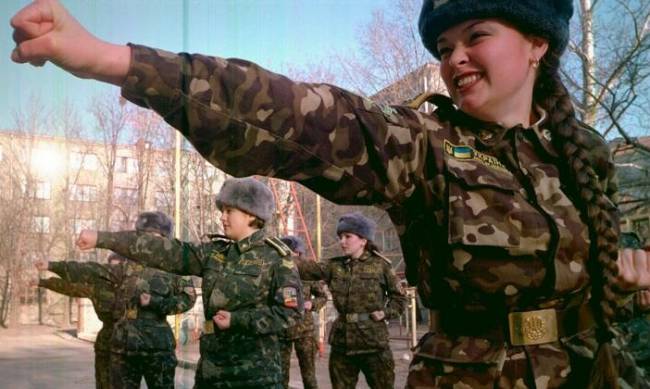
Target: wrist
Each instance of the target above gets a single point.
(112, 65)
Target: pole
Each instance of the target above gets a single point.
(321, 312)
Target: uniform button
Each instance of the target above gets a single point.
(547, 135)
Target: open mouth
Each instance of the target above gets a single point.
(466, 81)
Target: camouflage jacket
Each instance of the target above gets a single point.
(485, 222)
(144, 329)
(311, 291)
(358, 288)
(93, 281)
(253, 279)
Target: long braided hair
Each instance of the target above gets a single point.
(585, 189)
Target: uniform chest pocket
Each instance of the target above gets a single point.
(486, 208)
(370, 286)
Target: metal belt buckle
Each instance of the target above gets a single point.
(532, 327)
(208, 327)
(131, 313)
(351, 317)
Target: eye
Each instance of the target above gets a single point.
(476, 35)
(444, 51)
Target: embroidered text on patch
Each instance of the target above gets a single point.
(468, 152)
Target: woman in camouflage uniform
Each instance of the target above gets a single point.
(366, 293)
(503, 200)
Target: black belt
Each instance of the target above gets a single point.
(519, 327)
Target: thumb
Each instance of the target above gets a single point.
(35, 51)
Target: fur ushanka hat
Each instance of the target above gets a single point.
(548, 19)
(249, 195)
(357, 224)
(155, 222)
(294, 243)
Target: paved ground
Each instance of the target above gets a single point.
(35, 357)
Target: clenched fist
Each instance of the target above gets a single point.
(87, 240)
(633, 269)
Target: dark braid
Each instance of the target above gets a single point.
(585, 189)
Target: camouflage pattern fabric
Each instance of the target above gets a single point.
(377, 367)
(301, 336)
(359, 286)
(127, 371)
(253, 279)
(484, 221)
(306, 349)
(143, 344)
(93, 281)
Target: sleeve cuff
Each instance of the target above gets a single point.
(237, 320)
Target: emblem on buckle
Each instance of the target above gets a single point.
(533, 327)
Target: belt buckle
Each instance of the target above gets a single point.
(131, 313)
(208, 327)
(351, 317)
(533, 327)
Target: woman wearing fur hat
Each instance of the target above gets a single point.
(503, 200)
(251, 290)
(366, 293)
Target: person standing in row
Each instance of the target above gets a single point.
(98, 283)
(366, 293)
(302, 335)
(251, 290)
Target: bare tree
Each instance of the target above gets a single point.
(609, 66)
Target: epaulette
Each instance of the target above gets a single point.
(278, 245)
(388, 261)
(418, 100)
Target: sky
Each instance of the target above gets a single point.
(272, 33)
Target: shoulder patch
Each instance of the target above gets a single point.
(388, 261)
(278, 245)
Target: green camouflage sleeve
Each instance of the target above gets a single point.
(396, 296)
(314, 270)
(182, 298)
(320, 297)
(170, 255)
(246, 120)
(82, 272)
(64, 287)
(284, 309)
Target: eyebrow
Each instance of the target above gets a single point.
(442, 39)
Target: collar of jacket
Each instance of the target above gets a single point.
(489, 134)
(250, 241)
(364, 257)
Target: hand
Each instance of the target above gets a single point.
(633, 269)
(42, 265)
(643, 299)
(377, 315)
(45, 31)
(308, 305)
(222, 320)
(87, 240)
(145, 299)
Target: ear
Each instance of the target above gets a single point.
(539, 47)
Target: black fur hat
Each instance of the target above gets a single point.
(294, 243)
(548, 19)
(357, 224)
(155, 222)
(248, 195)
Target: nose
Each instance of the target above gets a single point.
(458, 56)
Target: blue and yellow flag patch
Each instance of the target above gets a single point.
(467, 152)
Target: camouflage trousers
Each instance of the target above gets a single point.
(306, 349)
(427, 370)
(377, 367)
(157, 369)
(102, 369)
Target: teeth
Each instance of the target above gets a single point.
(467, 80)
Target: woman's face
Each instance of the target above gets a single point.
(236, 223)
(352, 244)
(487, 67)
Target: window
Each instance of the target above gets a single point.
(83, 192)
(83, 161)
(131, 165)
(41, 224)
(42, 190)
(120, 164)
(82, 224)
(126, 195)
